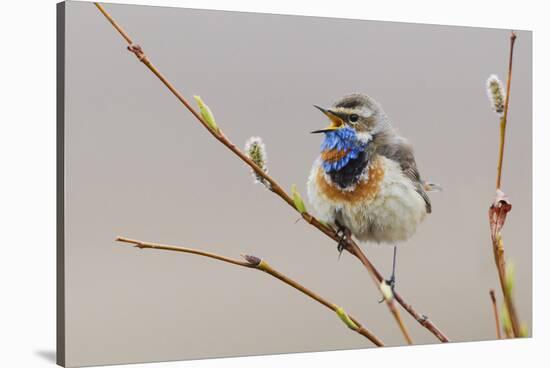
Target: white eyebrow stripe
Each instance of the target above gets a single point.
(363, 111)
(345, 110)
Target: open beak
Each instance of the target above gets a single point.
(335, 121)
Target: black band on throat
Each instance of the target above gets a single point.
(350, 174)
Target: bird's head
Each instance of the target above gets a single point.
(354, 122)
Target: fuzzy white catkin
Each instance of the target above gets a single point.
(495, 92)
(255, 150)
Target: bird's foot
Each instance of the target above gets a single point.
(391, 283)
(344, 234)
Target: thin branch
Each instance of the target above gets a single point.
(352, 247)
(504, 117)
(500, 208)
(497, 217)
(509, 333)
(256, 263)
(397, 316)
(495, 312)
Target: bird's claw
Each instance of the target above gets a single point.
(391, 283)
(341, 245)
(343, 234)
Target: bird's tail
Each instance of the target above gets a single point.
(432, 187)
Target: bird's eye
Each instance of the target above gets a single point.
(353, 118)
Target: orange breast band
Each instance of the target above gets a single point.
(333, 155)
(365, 190)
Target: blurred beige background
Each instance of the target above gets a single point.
(139, 165)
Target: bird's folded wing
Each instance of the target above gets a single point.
(399, 150)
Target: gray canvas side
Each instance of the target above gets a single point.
(60, 203)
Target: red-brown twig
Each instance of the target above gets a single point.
(495, 312)
(501, 206)
(352, 247)
(497, 217)
(256, 263)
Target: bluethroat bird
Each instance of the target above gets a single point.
(365, 181)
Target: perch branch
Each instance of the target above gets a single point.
(352, 247)
(256, 263)
(501, 206)
(495, 312)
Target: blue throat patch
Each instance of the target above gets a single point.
(343, 139)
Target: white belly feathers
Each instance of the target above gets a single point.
(380, 208)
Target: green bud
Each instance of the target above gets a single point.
(298, 202)
(505, 319)
(523, 330)
(207, 115)
(510, 277)
(345, 318)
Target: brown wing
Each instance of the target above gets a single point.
(401, 151)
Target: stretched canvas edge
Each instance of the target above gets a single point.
(60, 184)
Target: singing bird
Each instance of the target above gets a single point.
(365, 181)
